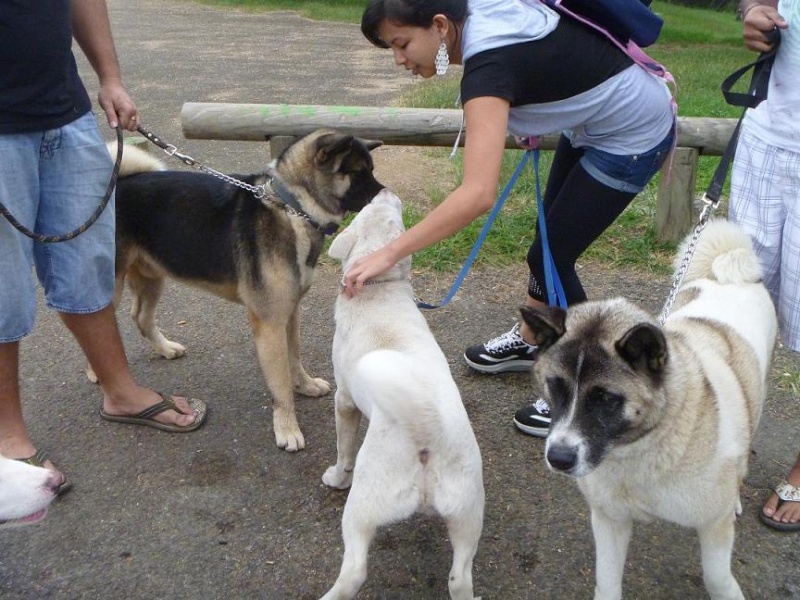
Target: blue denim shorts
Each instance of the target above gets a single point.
(52, 182)
(627, 173)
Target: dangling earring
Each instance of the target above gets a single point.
(442, 60)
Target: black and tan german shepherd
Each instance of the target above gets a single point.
(202, 231)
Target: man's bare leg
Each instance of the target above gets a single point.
(14, 439)
(99, 337)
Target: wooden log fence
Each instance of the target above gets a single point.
(279, 124)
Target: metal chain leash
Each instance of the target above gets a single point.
(687, 257)
(259, 191)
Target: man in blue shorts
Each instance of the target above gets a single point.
(54, 170)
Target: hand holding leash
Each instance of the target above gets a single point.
(119, 107)
(760, 25)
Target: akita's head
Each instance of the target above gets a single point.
(601, 367)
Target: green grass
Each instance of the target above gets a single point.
(343, 11)
(700, 47)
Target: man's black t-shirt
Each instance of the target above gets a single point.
(39, 84)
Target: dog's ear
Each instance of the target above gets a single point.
(546, 323)
(342, 244)
(644, 347)
(330, 147)
(372, 144)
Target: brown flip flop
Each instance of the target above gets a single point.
(146, 416)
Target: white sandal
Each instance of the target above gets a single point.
(786, 493)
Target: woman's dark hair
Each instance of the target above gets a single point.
(416, 13)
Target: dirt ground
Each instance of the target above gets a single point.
(222, 513)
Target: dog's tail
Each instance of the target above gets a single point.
(135, 160)
(403, 390)
(724, 253)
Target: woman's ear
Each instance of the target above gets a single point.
(442, 25)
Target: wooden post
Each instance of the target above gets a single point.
(674, 208)
(281, 123)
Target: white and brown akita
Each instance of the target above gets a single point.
(655, 422)
(202, 231)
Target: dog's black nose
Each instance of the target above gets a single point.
(562, 458)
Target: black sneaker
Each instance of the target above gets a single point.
(534, 419)
(507, 352)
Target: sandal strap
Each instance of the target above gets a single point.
(788, 492)
(37, 460)
(156, 409)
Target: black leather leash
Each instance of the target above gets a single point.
(50, 239)
(759, 83)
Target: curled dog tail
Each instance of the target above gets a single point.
(724, 253)
(135, 160)
(402, 389)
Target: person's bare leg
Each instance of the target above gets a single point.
(99, 337)
(788, 512)
(14, 439)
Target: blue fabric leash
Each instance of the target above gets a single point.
(551, 275)
(555, 291)
(479, 242)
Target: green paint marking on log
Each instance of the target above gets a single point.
(308, 111)
(352, 111)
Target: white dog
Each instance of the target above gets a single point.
(419, 452)
(656, 422)
(25, 492)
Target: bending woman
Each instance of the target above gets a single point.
(528, 72)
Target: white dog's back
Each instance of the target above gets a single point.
(407, 398)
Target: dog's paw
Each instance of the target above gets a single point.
(170, 350)
(337, 478)
(290, 440)
(313, 386)
(91, 375)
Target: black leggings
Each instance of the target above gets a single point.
(577, 209)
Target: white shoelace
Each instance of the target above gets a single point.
(510, 339)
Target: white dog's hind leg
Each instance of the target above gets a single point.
(716, 546)
(465, 532)
(348, 418)
(611, 546)
(357, 532)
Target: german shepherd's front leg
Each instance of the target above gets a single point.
(272, 346)
(303, 382)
